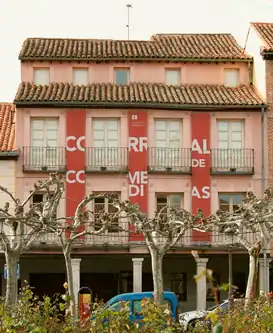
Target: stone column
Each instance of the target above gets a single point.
(262, 271)
(76, 278)
(201, 283)
(137, 274)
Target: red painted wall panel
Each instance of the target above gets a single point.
(75, 159)
(138, 162)
(201, 168)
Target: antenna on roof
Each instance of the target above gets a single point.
(128, 22)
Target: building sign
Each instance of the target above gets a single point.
(75, 159)
(201, 169)
(138, 162)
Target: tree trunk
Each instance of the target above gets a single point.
(12, 281)
(69, 276)
(157, 270)
(252, 278)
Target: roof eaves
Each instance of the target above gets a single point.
(193, 107)
(150, 59)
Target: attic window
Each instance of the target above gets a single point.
(231, 77)
(80, 76)
(173, 76)
(41, 76)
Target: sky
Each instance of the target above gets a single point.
(20, 19)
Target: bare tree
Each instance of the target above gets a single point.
(22, 225)
(86, 222)
(161, 233)
(252, 225)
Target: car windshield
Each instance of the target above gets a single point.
(221, 306)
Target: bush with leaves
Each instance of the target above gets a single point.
(255, 319)
(51, 315)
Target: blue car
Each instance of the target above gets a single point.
(134, 301)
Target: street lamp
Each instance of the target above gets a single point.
(229, 234)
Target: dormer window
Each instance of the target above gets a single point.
(41, 76)
(122, 75)
(173, 76)
(231, 77)
(80, 76)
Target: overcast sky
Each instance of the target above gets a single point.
(20, 19)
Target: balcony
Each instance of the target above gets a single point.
(44, 159)
(232, 161)
(169, 160)
(106, 159)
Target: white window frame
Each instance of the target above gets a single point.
(231, 196)
(171, 81)
(229, 122)
(76, 80)
(127, 69)
(106, 206)
(47, 155)
(105, 120)
(231, 77)
(168, 199)
(37, 80)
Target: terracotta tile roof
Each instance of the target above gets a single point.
(7, 127)
(175, 47)
(137, 94)
(265, 30)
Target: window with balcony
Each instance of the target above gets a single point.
(80, 76)
(231, 77)
(164, 202)
(173, 76)
(105, 205)
(106, 153)
(231, 155)
(41, 76)
(167, 152)
(122, 76)
(230, 201)
(44, 154)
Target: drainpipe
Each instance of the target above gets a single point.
(263, 189)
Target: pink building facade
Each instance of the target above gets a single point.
(166, 121)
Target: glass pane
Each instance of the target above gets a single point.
(112, 125)
(160, 125)
(80, 76)
(113, 144)
(37, 142)
(236, 136)
(112, 135)
(175, 145)
(98, 124)
(160, 135)
(222, 126)
(51, 135)
(237, 198)
(224, 199)
(223, 144)
(223, 136)
(37, 135)
(122, 76)
(99, 144)
(231, 77)
(236, 125)
(236, 145)
(175, 200)
(37, 124)
(174, 135)
(173, 76)
(98, 135)
(116, 307)
(41, 76)
(174, 125)
(137, 308)
(161, 200)
(51, 124)
(51, 143)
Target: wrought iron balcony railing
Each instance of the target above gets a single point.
(106, 159)
(44, 159)
(169, 160)
(240, 161)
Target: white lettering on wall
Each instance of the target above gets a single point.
(201, 163)
(77, 144)
(137, 182)
(138, 144)
(205, 192)
(200, 149)
(73, 176)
